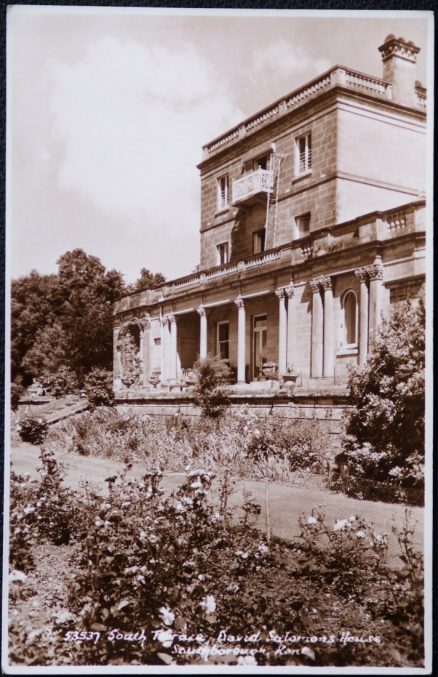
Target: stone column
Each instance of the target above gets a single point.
(117, 365)
(317, 329)
(375, 273)
(145, 349)
(282, 331)
(328, 358)
(173, 346)
(202, 332)
(362, 275)
(290, 349)
(241, 321)
(164, 347)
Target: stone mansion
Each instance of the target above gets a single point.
(312, 226)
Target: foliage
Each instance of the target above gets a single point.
(385, 431)
(17, 392)
(64, 319)
(62, 382)
(181, 565)
(211, 374)
(129, 356)
(251, 446)
(148, 280)
(99, 388)
(20, 529)
(33, 430)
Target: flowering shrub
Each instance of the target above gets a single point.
(385, 430)
(33, 430)
(158, 575)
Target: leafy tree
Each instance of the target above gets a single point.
(148, 280)
(211, 374)
(386, 427)
(32, 309)
(49, 351)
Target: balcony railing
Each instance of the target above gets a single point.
(253, 183)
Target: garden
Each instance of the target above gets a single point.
(139, 571)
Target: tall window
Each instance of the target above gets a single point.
(222, 253)
(222, 192)
(303, 154)
(223, 340)
(349, 304)
(302, 225)
(258, 241)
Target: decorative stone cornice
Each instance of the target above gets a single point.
(398, 47)
(239, 302)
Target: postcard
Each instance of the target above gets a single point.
(218, 454)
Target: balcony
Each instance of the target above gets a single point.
(251, 185)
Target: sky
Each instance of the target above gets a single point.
(108, 110)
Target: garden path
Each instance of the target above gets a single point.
(286, 503)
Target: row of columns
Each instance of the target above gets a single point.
(370, 306)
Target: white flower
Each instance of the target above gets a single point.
(165, 637)
(28, 509)
(246, 660)
(340, 525)
(263, 549)
(16, 575)
(241, 554)
(98, 522)
(167, 616)
(307, 651)
(311, 520)
(201, 577)
(209, 604)
(360, 534)
(196, 484)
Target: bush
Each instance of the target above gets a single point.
(99, 388)
(33, 430)
(17, 392)
(62, 382)
(385, 430)
(211, 374)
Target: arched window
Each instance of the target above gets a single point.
(349, 305)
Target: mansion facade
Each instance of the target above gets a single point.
(312, 227)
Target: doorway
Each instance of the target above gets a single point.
(259, 342)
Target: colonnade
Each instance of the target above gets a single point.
(323, 329)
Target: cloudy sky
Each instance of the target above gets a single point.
(108, 110)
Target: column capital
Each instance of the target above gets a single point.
(240, 303)
(326, 282)
(164, 320)
(314, 284)
(289, 290)
(375, 271)
(145, 322)
(171, 318)
(201, 310)
(279, 293)
(361, 273)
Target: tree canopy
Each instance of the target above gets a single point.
(65, 320)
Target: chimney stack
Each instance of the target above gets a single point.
(399, 60)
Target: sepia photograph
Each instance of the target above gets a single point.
(218, 418)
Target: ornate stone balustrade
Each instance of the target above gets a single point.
(396, 221)
(253, 183)
(337, 76)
